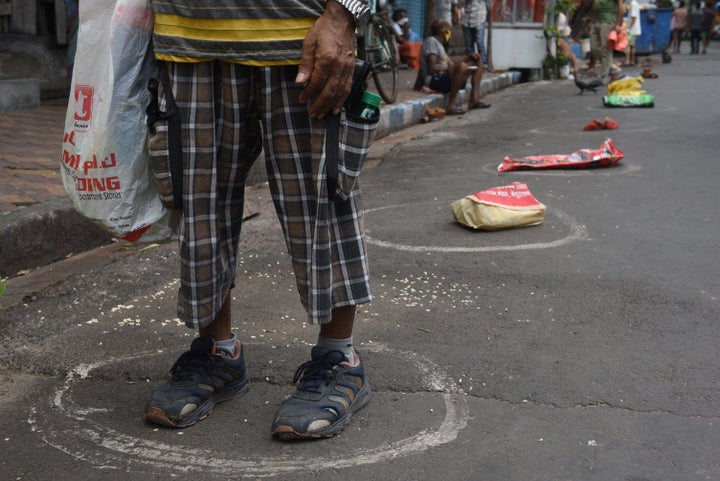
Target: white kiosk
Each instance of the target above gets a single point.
(518, 39)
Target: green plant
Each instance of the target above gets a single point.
(548, 66)
(563, 6)
(560, 59)
(552, 64)
(555, 59)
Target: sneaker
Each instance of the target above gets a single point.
(201, 378)
(329, 392)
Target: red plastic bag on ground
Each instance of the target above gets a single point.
(498, 208)
(604, 156)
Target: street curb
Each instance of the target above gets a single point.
(49, 231)
(396, 117)
(44, 233)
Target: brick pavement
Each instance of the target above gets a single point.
(30, 142)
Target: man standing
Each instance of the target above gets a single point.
(473, 27)
(607, 15)
(680, 25)
(234, 65)
(695, 24)
(634, 30)
(441, 74)
(447, 10)
(707, 25)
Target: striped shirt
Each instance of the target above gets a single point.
(475, 13)
(249, 32)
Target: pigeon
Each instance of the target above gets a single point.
(591, 86)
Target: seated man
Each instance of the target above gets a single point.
(408, 50)
(441, 74)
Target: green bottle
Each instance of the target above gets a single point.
(370, 103)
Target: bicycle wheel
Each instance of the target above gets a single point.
(380, 52)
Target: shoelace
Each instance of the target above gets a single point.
(191, 363)
(314, 374)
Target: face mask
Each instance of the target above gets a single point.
(446, 35)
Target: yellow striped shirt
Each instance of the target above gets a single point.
(250, 32)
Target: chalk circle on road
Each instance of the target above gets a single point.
(618, 169)
(74, 429)
(574, 232)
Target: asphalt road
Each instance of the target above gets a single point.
(585, 348)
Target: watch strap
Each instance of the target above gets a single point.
(357, 8)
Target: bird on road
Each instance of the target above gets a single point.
(591, 86)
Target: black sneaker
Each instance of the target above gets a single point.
(329, 392)
(201, 378)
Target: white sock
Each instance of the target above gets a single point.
(227, 346)
(343, 345)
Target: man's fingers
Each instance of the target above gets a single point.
(330, 84)
(343, 94)
(307, 60)
(323, 91)
(343, 84)
(327, 62)
(315, 85)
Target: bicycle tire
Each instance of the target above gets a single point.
(380, 52)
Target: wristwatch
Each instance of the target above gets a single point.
(358, 9)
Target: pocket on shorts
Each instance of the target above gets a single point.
(356, 137)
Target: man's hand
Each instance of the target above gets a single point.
(473, 58)
(328, 61)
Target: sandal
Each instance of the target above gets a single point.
(478, 104)
(427, 90)
(455, 111)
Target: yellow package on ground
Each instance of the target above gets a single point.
(626, 85)
(499, 208)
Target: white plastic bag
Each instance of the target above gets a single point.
(105, 166)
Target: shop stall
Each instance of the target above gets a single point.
(518, 39)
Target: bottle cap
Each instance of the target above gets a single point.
(371, 98)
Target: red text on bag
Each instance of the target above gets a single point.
(83, 107)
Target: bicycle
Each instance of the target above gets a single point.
(375, 45)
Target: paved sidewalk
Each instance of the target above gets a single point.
(32, 197)
(30, 142)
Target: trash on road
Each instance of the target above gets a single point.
(626, 92)
(499, 208)
(648, 73)
(627, 85)
(433, 114)
(607, 124)
(629, 100)
(604, 156)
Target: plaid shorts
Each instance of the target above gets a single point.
(221, 106)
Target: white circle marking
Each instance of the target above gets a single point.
(115, 450)
(577, 232)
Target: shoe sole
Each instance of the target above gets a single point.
(157, 416)
(287, 433)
